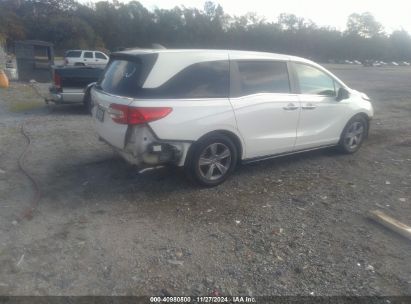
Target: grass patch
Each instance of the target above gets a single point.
(25, 106)
(21, 97)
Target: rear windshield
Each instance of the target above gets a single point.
(123, 78)
(73, 54)
(200, 80)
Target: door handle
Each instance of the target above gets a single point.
(290, 107)
(309, 106)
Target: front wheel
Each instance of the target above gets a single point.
(353, 135)
(212, 160)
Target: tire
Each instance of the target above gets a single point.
(353, 135)
(88, 105)
(79, 64)
(212, 160)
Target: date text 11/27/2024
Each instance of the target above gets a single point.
(205, 299)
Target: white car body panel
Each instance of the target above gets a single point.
(267, 128)
(324, 124)
(321, 122)
(189, 123)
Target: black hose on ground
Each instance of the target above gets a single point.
(34, 203)
(28, 212)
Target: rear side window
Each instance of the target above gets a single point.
(200, 80)
(100, 55)
(73, 54)
(263, 77)
(88, 54)
(314, 81)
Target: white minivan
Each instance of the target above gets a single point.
(208, 110)
(85, 58)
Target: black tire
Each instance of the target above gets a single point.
(79, 64)
(217, 152)
(88, 104)
(353, 135)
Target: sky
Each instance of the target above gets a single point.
(393, 14)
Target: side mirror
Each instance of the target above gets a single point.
(342, 94)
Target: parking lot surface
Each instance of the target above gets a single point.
(289, 226)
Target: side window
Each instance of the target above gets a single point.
(100, 55)
(201, 80)
(73, 54)
(88, 54)
(314, 81)
(263, 77)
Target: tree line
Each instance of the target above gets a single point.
(111, 25)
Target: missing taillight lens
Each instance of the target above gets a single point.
(123, 114)
(118, 113)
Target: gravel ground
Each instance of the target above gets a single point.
(291, 226)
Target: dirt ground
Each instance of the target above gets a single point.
(291, 226)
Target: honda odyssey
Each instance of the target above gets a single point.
(208, 110)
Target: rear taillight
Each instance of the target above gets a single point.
(57, 80)
(127, 115)
(65, 61)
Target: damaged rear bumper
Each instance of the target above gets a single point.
(144, 149)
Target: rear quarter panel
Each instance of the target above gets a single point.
(190, 119)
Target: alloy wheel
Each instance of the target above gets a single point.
(215, 161)
(354, 135)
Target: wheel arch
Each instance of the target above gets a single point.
(366, 117)
(363, 114)
(234, 137)
(88, 89)
(359, 114)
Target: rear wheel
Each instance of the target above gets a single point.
(212, 160)
(353, 135)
